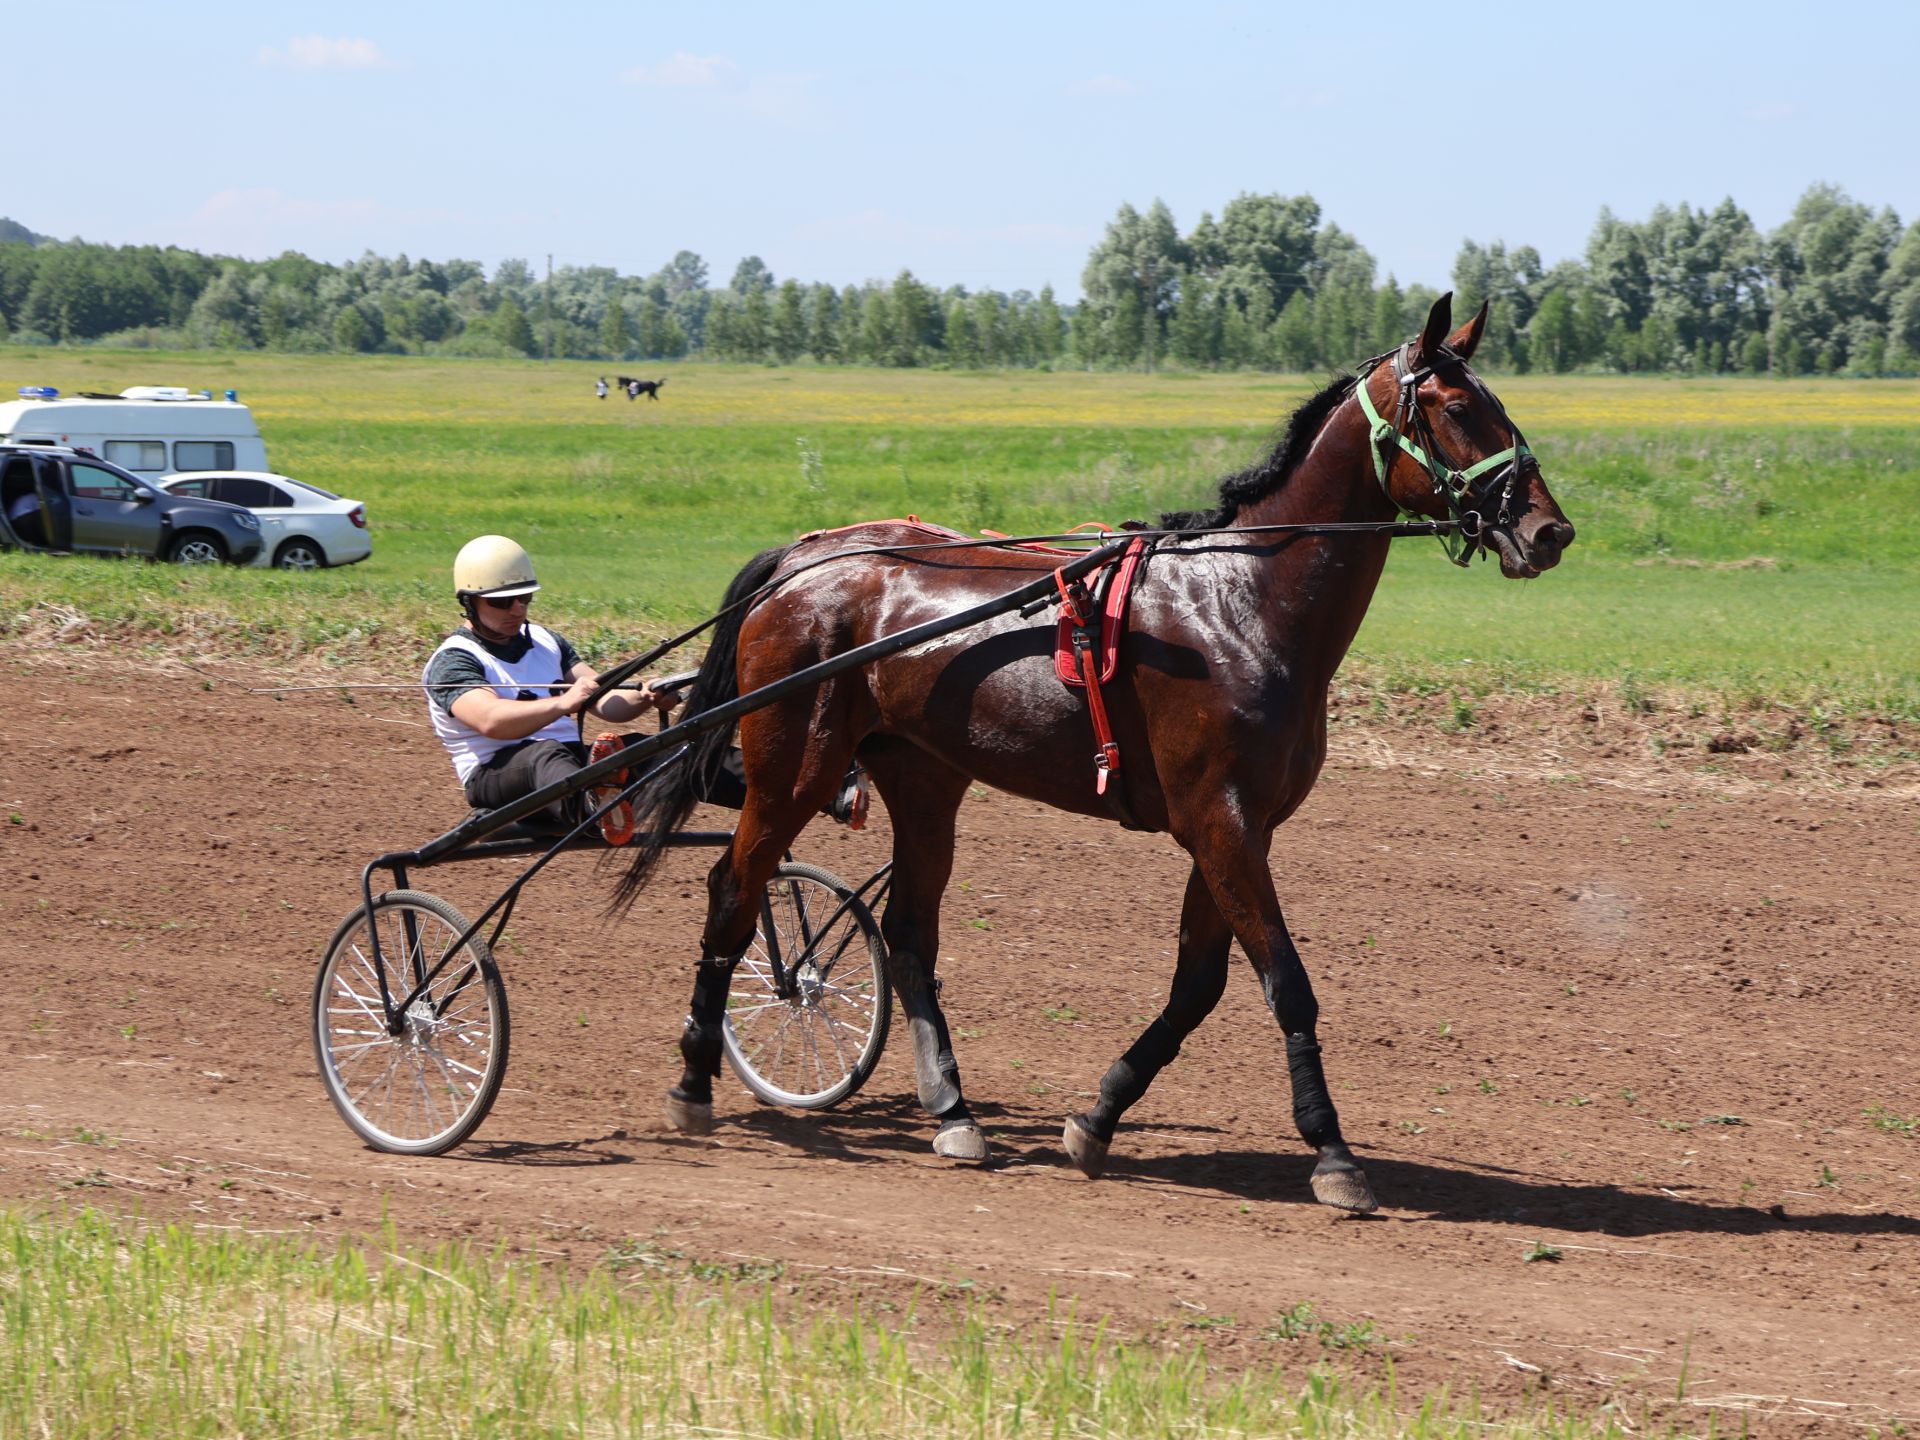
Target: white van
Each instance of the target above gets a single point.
(152, 430)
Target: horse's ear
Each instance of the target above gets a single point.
(1464, 341)
(1439, 319)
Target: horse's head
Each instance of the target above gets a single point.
(1444, 448)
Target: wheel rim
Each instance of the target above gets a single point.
(804, 1046)
(299, 557)
(418, 1087)
(197, 552)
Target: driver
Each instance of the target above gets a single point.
(503, 693)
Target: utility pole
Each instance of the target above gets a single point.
(549, 308)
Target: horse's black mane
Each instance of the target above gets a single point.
(1270, 473)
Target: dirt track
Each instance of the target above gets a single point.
(1642, 1018)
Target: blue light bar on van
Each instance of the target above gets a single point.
(39, 392)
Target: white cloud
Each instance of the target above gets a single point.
(1104, 87)
(683, 72)
(789, 101)
(319, 52)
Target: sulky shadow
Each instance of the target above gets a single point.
(562, 1153)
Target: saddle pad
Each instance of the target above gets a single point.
(1117, 580)
(912, 522)
(1112, 602)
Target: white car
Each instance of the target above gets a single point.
(302, 527)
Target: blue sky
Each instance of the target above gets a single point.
(984, 144)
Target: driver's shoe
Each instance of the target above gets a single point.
(616, 824)
(849, 807)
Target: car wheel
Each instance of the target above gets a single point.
(299, 555)
(197, 547)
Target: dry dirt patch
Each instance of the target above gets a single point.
(1657, 1018)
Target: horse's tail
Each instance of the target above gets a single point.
(661, 805)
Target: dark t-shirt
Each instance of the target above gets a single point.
(453, 672)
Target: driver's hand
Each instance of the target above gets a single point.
(576, 696)
(662, 700)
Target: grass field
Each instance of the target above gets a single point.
(166, 1333)
(1739, 540)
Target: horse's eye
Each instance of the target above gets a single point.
(1457, 412)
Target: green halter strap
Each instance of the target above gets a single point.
(1453, 486)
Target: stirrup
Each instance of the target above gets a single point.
(616, 825)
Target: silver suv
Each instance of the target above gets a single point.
(58, 499)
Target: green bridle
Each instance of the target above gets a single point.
(1462, 491)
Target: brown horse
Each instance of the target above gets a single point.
(1219, 706)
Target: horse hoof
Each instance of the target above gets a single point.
(962, 1140)
(690, 1117)
(1086, 1150)
(1343, 1185)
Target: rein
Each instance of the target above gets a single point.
(1397, 529)
(1462, 491)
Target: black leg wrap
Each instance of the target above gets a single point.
(700, 1040)
(711, 981)
(1313, 1111)
(1128, 1077)
(700, 1048)
(936, 1072)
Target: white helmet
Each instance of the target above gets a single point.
(495, 566)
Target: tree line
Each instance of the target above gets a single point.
(1269, 284)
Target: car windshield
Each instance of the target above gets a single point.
(311, 489)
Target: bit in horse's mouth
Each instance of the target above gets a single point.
(1513, 563)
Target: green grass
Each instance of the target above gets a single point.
(1749, 541)
(107, 1328)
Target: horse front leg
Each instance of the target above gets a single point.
(1199, 977)
(922, 796)
(1243, 887)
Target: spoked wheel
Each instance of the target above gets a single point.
(808, 1014)
(424, 1090)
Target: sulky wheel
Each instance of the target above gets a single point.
(424, 1090)
(808, 1014)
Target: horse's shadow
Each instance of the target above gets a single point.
(1494, 1195)
(883, 1131)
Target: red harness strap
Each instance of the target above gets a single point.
(1112, 620)
(1077, 607)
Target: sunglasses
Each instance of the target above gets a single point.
(506, 602)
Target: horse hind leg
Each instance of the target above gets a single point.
(689, 1104)
(917, 786)
(736, 886)
(1199, 979)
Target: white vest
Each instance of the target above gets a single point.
(538, 670)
